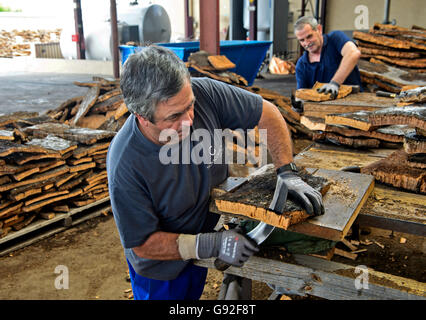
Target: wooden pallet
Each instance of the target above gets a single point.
(42, 229)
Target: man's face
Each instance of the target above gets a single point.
(173, 114)
(311, 40)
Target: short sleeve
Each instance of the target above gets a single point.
(300, 75)
(234, 107)
(134, 215)
(339, 39)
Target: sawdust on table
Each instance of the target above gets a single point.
(339, 189)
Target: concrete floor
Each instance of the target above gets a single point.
(39, 92)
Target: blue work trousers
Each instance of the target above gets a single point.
(189, 285)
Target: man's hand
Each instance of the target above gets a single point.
(308, 197)
(332, 87)
(229, 246)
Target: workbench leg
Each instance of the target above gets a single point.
(235, 288)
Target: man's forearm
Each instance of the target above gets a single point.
(280, 145)
(348, 63)
(159, 246)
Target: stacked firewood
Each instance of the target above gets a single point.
(17, 42)
(47, 167)
(397, 56)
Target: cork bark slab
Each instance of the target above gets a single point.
(363, 101)
(346, 194)
(414, 143)
(394, 76)
(358, 120)
(81, 135)
(349, 141)
(8, 147)
(88, 101)
(220, 62)
(54, 143)
(6, 135)
(389, 53)
(314, 95)
(13, 117)
(413, 116)
(393, 171)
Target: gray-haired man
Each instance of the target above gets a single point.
(161, 211)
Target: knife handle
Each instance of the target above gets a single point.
(221, 265)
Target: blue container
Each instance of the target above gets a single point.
(247, 55)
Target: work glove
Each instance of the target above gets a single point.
(229, 246)
(289, 181)
(296, 104)
(332, 87)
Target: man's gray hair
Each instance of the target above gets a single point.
(302, 21)
(151, 76)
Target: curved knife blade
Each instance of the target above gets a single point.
(262, 231)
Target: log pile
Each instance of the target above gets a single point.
(396, 56)
(47, 167)
(16, 43)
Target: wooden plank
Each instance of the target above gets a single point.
(342, 204)
(325, 279)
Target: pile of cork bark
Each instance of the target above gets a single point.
(16, 43)
(392, 56)
(48, 167)
(101, 108)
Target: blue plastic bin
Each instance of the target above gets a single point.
(247, 55)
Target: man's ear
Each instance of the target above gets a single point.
(144, 122)
(319, 28)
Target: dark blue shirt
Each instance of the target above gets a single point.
(148, 196)
(308, 73)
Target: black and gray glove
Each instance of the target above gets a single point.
(308, 197)
(332, 87)
(229, 246)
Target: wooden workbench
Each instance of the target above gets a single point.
(386, 208)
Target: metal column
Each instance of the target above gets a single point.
(114, 33)
(79, 34)
(253, 19)
(209, 26)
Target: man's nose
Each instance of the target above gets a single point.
(187, 118)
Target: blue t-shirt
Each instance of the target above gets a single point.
(148, 196)
(308, 73)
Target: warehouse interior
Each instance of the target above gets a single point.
(61, 106)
